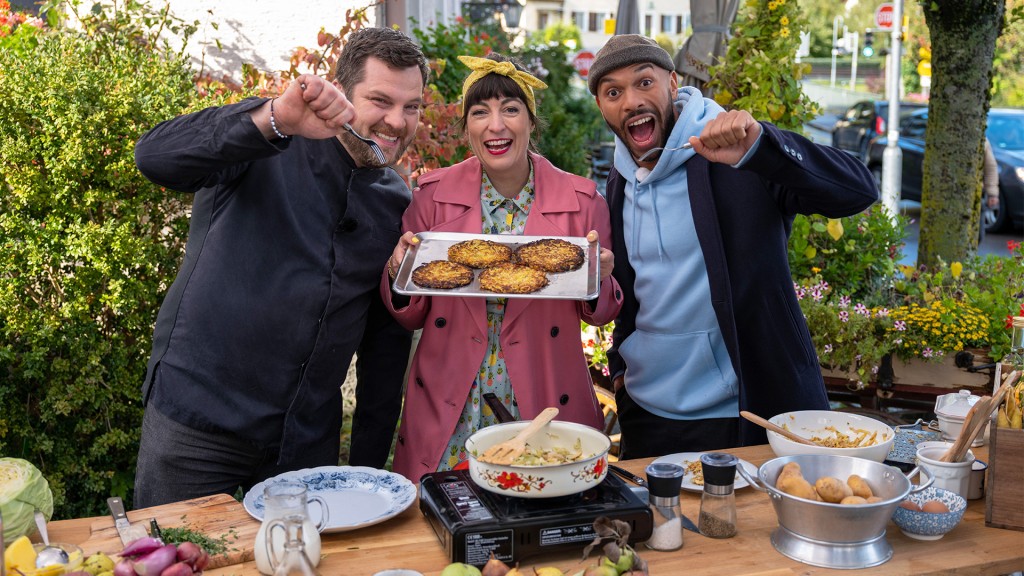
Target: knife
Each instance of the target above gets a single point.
(126, 530)
(627, 475)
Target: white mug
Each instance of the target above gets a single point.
(952, 476)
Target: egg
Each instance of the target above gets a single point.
(934, 507)
(910, 505)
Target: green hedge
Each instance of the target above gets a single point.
(87, 249)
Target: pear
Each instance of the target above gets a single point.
(495, 567)
(460, 569)
(97, 563)
(625, 563)
(548, 571)
(602, 570)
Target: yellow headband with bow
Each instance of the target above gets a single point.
(483, 66)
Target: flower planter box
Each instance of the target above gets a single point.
(1004, 490)
(916, 380)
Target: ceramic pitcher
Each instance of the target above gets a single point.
(282, 499)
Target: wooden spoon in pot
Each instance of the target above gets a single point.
(503, 453)
(774, 428)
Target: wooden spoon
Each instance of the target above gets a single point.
(777, 429)
(505, 452)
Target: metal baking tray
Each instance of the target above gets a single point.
(584, 283)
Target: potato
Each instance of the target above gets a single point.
(859, 486)
(790, 469)
(832, 489)
(795, 485)
(853, 500)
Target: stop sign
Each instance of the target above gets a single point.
(582, 61)
(884, 16)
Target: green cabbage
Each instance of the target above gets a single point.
(23, 490)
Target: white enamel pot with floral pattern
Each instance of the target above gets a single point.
(547, 481)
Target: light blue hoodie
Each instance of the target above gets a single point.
(677, 362)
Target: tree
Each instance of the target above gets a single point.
(963, 35)
(760, 73)
(1008, 68)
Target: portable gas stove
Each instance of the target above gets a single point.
(471, 522)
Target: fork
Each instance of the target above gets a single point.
(686, 146)
(381, 158)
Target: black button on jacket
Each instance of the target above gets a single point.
(279, 284)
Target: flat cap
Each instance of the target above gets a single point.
(624, 50)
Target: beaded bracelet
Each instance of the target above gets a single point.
(273, 125)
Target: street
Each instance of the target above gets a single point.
(819, 132)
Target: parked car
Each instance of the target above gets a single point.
(1005, 132)
(865, 121)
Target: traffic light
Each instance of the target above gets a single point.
(869, 43)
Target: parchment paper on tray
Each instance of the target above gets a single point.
(580, 284)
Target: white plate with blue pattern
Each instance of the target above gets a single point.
(356, 496)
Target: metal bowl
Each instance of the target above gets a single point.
(835, 535)
(540, 481)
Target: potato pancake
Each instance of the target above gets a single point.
(479, 253)
(442, 274)
(550, 255)
(512, 279)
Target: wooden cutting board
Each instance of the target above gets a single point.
(215, 516)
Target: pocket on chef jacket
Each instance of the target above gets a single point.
(675, 374)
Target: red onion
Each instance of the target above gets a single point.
(155, 562)
(189, 552)
(141, 546)
(124, 568)
(178, 569)
(202, 561)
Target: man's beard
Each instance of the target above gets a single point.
(363, 154)
(667, 119)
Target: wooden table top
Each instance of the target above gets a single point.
(407, 541)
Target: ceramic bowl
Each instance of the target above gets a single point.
(545, 481)
(817, 423)
(930, 525)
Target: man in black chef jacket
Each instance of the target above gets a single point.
(293, 220)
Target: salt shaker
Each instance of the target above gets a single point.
(663, 482)
(718, 502)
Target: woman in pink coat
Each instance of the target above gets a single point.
(527, 351)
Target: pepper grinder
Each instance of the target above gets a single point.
(718, 502)
(663, 482)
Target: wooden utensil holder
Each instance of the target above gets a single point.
(1004, 491)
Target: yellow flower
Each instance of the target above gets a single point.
(784, 21)
(784, 32)
(956, 268)
(773, 5)
(815, 269)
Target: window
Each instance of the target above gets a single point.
(666, 24)
(542, 20)
(647, 25)
(577, 19)
(679, 25)
(595, 19)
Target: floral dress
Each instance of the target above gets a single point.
(500, 216)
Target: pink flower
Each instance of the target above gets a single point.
(862, 309)
(900, 325)
(844, 316)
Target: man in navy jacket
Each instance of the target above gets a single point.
(292, 222)
(710, 323)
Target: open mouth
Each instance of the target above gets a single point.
(498, 147)
(641, 130)
(385, 140)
